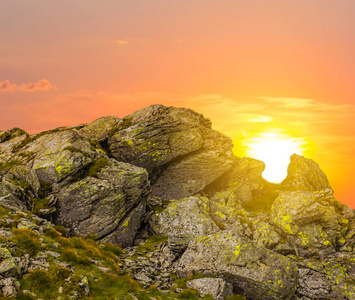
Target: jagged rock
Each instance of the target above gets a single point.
(6, 135)
(242, 182)
(188, 216)
(330, 278)
(215, 287)
(59, 155)
(305, 174)
(256, 272)
(9, 291)
(7, 264)
(177, 147)
(110, 206)
(308, 220)
(98, 130)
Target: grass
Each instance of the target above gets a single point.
(151, 243)
(45, 188)
(27, 241)
(38, 204)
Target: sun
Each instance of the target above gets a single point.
(274, 149)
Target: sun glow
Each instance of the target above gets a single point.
(274, 149)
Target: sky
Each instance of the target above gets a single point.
(256, 68)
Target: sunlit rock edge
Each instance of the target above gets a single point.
(164, 174)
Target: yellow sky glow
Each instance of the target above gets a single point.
(274, 149)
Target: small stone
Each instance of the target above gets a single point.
(9, 291)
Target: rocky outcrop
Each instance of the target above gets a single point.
(185, 217)
(305, 174)
(257, 272)
(166, 186)
(110, 205)
(177, 147)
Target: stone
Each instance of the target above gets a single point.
(253, 271)
(215, 287)
(99, 129)
(177, 147)
(188, 217)
(110, 206)
(305, 174)
(9, 291)
(7, 265)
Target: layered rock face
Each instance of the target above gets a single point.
(164, 171)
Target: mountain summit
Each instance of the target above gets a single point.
(193, 218)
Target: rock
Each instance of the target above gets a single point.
(305, 174)
(84, 285)
(176, 145)
(242, 182)
(330, 278)
(98, 130)
(59, 155)
(314, 285)
(143, 278)
(308, 217)
(253, 271)
(6, 135)
(110, 206)
(7, 264)
(187, 217)
(216, 287)
(9, 291)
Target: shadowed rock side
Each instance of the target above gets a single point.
(164, 173)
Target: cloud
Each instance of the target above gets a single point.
(6, 86)
(300, 103)
(42, 85)
(121, 42)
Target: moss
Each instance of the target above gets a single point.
(96, 166)
(189, 294)
(10, 164)
(45, 188)
(151, 243)
(4, 211)
(125, 123)
(38, 204)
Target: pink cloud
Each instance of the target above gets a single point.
(6, 86)
(42, 85)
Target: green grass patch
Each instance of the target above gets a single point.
(151, 243)
(38, 204)
(27, 241)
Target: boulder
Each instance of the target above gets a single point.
(243, 180)
(215, 287)
(59, 154)
(176, 145)
(99, 129)
(110, 205)
(308, 221)
(185, 217)
(305, 174)
(253, 271)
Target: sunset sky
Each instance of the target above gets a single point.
(259, 69)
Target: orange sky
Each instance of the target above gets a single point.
(251, 66)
